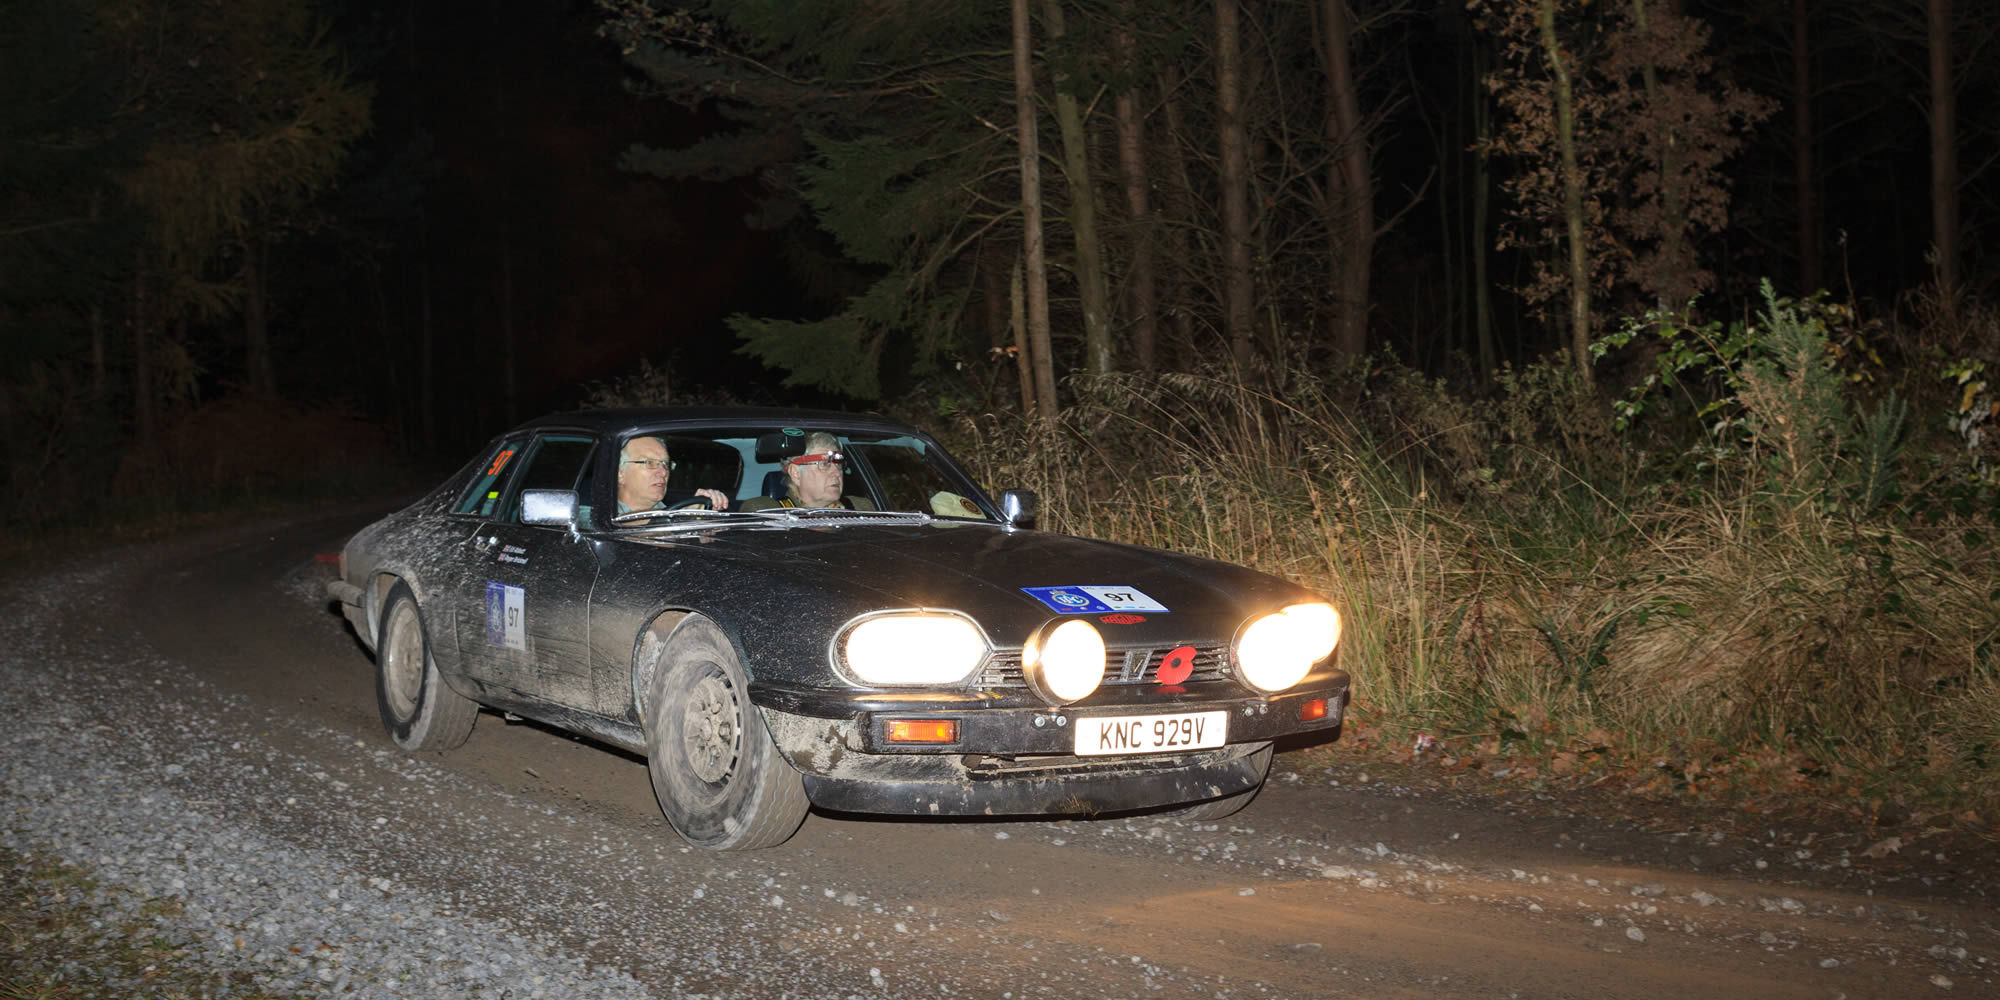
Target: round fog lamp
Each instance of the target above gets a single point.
(1064, 663)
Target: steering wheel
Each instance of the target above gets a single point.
(690, 502)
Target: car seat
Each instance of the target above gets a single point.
(775, 484)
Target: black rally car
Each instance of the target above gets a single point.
(917, 648)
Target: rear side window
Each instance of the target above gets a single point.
(553, 464)
(482, 494)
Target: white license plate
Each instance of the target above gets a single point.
(1151, 733)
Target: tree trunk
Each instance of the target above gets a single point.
(144, 426)
(1140, 292)
(996, 293)
(1018, 313)
(1090, 284)
(1944, 156)
(1482, 202)
(1350, 189)
(1175, 223)
(1572, 187)
(260, 373)
(427, 339)
(426, 336)
(1237, 288)
(508, 337)
(1037, 276)
(1672, 267)
(97, 346)
(1804, 164)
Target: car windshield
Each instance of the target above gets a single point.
(769, 472)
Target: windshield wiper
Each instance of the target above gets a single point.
(638, 516)
(842, 513)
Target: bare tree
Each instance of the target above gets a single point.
(1037, 278)
(1944, 153)
(1350, 187)
(1237, 287)
(1804, 164)
(1571, 185)
(1141, 296)
(1090, 284)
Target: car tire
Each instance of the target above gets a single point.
(720, 780)
(419, 710)
(1228, 805)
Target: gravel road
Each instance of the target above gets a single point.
(191, 723)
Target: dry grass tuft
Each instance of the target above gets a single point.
(1514, 579)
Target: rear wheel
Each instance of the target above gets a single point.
(418, 709)
(720, 780)
(1228, 805)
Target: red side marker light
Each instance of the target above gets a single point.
(922, 730)
(1312, 711)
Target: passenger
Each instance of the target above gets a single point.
(642, 477)
(814, 479)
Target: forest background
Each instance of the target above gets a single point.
(1624, 369)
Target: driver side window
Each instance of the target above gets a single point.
(553, 463)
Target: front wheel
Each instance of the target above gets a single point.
(418, 709)
(720, 780)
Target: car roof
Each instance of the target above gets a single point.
(621, 421)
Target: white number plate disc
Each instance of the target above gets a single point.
(1151, 733)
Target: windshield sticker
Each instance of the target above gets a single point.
(506, 616)
(500, 461)
(1094, 600)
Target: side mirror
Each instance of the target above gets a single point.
(555, 507)
(1017, 508)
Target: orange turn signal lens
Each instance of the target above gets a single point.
(922, 730)
(1312, 711)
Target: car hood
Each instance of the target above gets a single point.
(1007, 580)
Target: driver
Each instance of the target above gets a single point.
(814, 479)
(642, 477)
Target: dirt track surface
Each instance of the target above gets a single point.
(1329, 885)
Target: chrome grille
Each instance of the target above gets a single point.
(1123, 665)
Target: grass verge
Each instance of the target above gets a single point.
(63, 936)
(1763, 615)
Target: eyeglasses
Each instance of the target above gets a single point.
(818, 460)
(649, 464)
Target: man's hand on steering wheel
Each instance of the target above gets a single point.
(712, 499)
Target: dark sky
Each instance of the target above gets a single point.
(530, 117)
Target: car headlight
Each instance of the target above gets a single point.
(1064, 662)
(914, 648)
(1275, 651)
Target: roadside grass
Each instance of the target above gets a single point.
(61, 938)
(1742, 604)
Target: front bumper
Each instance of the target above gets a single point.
(1016, 755)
